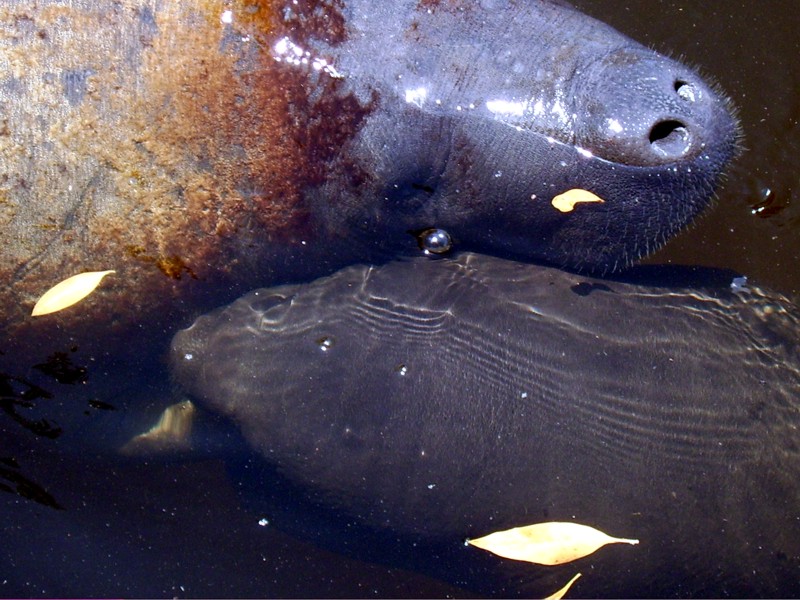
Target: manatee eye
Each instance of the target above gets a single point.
(272, 308)
(434, 241)
(264, 303)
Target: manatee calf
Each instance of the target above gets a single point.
(443, 400)
(194, 144)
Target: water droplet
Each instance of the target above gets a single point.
(435, 241)
(767, 202)
(325, 343)
(401, 369)
(739, 284)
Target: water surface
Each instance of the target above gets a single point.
(80, 520)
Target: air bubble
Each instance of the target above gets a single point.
(435, 241)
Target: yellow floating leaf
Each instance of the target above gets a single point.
(566, 202)
(68, 292)
(547, 543)
(562, 592)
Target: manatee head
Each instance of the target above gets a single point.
(330, 133)
(488, 114)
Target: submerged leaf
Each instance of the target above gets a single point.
(172, 432)
(68, 292)
(562, 592)
(566, 202)
(547, 543)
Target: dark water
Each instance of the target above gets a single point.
(78, 521)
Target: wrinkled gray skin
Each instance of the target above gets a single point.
(442, 400)
(519, 102)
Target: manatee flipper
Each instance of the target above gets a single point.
(172, 432)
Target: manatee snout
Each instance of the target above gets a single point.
(191, 352)
(645, 109)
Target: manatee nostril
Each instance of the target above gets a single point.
(666, 129)
(685, 90)
(670, 138)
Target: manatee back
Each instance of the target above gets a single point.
(447, 399)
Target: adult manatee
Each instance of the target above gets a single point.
(443, 400)
(203, 143)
